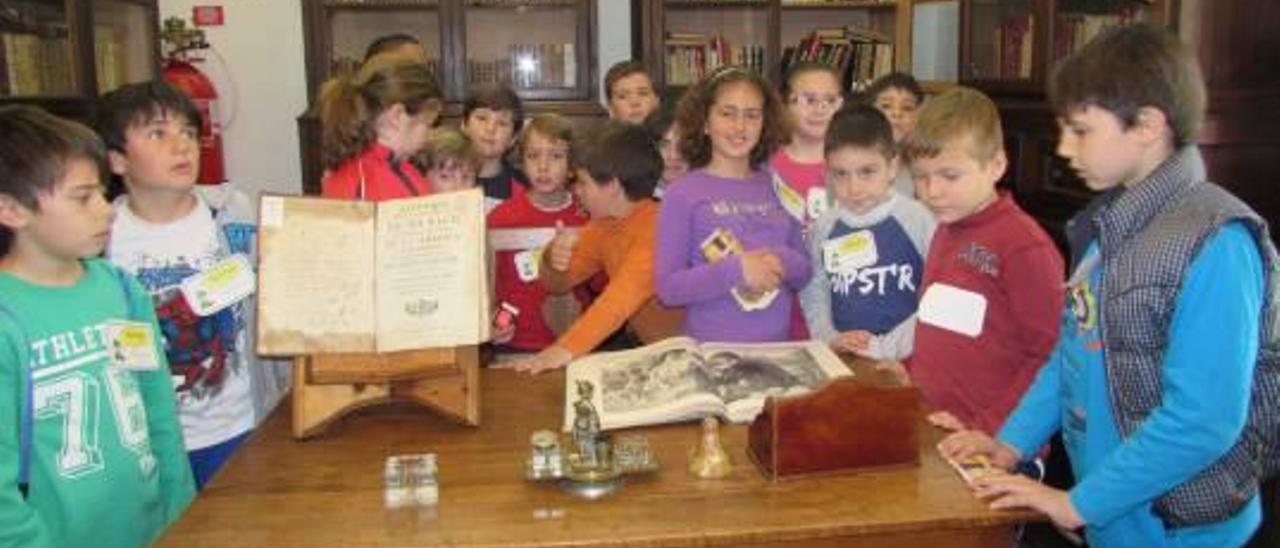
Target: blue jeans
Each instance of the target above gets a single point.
(205, 462)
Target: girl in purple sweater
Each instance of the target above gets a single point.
(727, 250)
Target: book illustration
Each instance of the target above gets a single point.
(394, 275)
(678, 379)
(721, 244)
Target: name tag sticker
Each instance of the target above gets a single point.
(850, 252)
(954, 309)
(527, 264)
(220, 286)
(131, 345)
(817, 202)
(791, 200)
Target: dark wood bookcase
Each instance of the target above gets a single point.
(61, 54)
(1009, 48)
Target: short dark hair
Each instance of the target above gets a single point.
(620, 70)
(35, 147)
(623, 151)
(806, 67)
(389, 42)
(895, 80)
(862, 126)
(659, 122)
(1130, 67)
(695, 108)
(139, 104)
(495, 97)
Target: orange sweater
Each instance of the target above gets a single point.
(624, 249)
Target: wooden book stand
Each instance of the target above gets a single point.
(328, 386)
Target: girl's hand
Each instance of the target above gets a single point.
(946, 421)
(853, 342)
(552, 357)
(761, 271)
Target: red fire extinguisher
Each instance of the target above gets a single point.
(184, 75)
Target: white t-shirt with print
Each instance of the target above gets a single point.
(206, 355)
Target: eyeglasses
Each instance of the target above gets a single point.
(810, 100)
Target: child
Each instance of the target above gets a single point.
(628, 90)
(491, 116)
(374, 121)
(615, 181)
(992, 286)
(168, 236)
(451, 161)
(662, 130)
(899, 96)
(727, 250)
(870, 247)
(92, 451)
(1150, 382)
(545, 150)
(812, 92)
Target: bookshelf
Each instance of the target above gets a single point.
(62, 54)
(543, 49)
(682, 40)
(1009, 48)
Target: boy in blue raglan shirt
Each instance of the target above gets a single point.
(868, 252)
(1151, 378)
(90, 447)
(172, 238)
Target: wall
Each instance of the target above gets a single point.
(262, 79)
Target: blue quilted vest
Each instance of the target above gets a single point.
(1148, 234)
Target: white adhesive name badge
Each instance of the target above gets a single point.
(131, 345)
(954, 309)
(816, 202)
(222, 285)
(791, 200)
(527, 264)
(850, 252)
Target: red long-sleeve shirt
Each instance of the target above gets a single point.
(374, 175)
(1003, 255)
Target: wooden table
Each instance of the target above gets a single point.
(328, 491)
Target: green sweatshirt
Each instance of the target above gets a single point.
(107, 463)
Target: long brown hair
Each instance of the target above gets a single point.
(695, 107)
(349, 104)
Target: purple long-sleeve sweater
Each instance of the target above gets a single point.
(693, 207)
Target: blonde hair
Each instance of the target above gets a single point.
(349, 104)
(449, 144)
(959, 116)
(550, 125)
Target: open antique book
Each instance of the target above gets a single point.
(351, 276)
(679, 379)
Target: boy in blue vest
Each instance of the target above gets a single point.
(1151, 378)
(90, 447)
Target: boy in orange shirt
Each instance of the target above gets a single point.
(618, 170)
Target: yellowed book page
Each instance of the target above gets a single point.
(315, 276)
(430, 257)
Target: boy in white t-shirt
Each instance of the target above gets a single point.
(170, 237)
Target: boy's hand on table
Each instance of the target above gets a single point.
(551, 357)
(1018, 491)
(853, 342)
(966, 444)
(946, 421)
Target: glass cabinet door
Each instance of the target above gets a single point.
(702, 35)
(544, 58)
(1001, 40)
(36, 57)
(355, 24)
(124, 43)
(855, 36)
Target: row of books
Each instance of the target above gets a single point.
(859, 55)
(35, 64)
(1072, 31)
(690, 56)
(528, 66)
(1013, 46)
